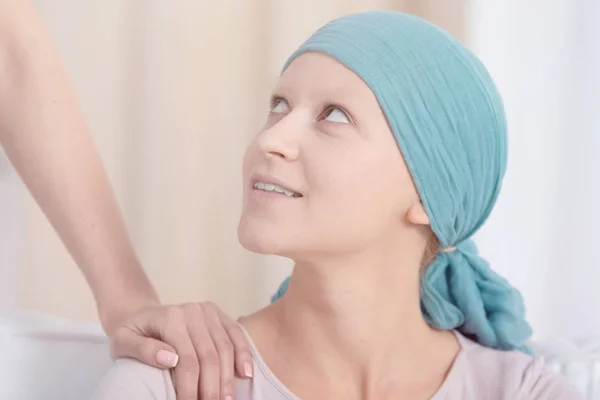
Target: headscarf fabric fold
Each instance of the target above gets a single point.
(448, 120)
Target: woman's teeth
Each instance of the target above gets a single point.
(271, 187)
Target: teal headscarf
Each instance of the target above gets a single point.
(449, 123)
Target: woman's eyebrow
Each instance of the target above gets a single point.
(282, 88)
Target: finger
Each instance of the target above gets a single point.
(243, 356)
(128, 343)
(206, 352)
(187, 371)
(224, 349)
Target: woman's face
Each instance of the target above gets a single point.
(325, 175)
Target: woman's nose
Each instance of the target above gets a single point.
(282, 139)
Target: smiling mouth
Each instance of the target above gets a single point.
(271, 187)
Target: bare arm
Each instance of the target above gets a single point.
(46, 138)
(44, 134)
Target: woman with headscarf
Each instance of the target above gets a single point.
(383, 153)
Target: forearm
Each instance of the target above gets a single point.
(46, 138)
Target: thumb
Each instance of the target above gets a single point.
(127, 343)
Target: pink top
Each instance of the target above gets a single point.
(478, 373)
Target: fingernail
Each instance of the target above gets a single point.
(167, 358)
(228, 397)
(248, 370)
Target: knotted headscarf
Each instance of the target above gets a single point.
(448, 120)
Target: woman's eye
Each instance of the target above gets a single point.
(279, 106)
(337, 115)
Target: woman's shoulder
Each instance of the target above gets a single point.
(131, 379)
(513, 373)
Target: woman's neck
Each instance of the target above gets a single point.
(352, 311)
(354, 319)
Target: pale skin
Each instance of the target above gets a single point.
(44, 134)
(350, 325)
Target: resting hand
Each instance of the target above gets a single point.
(197, 339)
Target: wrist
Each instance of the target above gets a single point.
(121, 292)
(116, 309)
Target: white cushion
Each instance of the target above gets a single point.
(578, 360)
(44, 357)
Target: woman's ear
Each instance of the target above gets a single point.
(417, 215)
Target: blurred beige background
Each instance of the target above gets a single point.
(173, 92)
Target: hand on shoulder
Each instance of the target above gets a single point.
(205, 347)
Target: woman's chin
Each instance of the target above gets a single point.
(259, 241)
